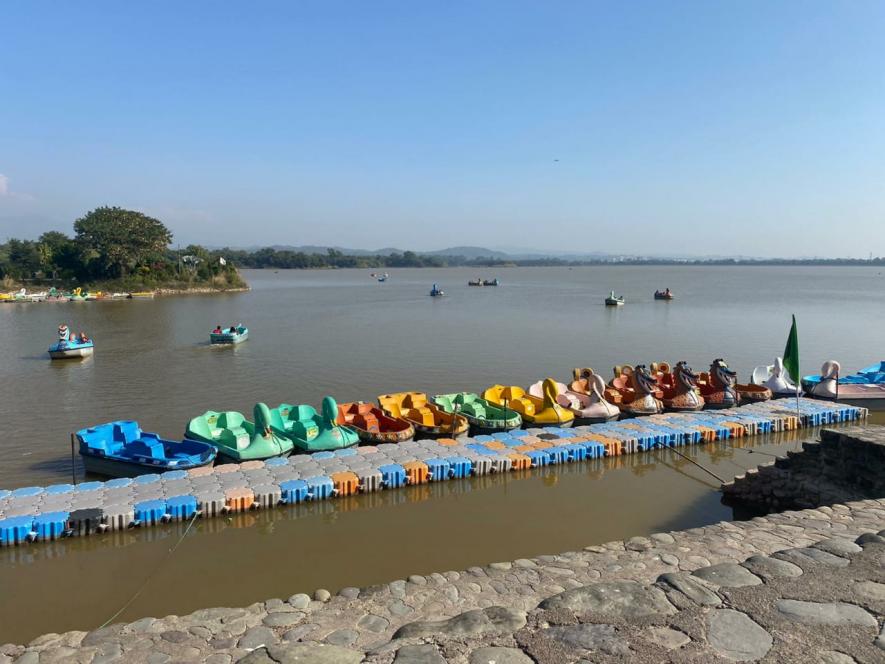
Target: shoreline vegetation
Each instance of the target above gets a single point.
(115, 250)
(283, 259)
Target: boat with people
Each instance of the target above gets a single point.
(483, 416)
(311, 431)
(236, 438)
(587, 407)
(373, 425)
(541, 411)
(436, 291)
(475, 282)
(490, 282)
(429, 420)
(665, 294)
(383, 277)
(776, 379)
(234, 334)
(614, 300)
(122, 449)
(864, 388)
(71, 345)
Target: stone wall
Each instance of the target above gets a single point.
(847, 464)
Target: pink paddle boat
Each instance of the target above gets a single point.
(588, 408)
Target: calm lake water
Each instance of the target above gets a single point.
(342, 333)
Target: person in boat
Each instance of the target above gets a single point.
(233, 329)
(83, 338)
(217, 330)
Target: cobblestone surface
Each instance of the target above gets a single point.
(706, 594)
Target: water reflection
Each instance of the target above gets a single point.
(358, 540)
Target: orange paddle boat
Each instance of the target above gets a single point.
(428, 419)
(372, 425)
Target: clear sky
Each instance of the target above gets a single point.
(706, 127)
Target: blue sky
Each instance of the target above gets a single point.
(679, 127)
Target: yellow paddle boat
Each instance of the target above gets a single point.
(429, 420)
(540, 411)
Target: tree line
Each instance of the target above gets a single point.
(270, 258)
(112, 245)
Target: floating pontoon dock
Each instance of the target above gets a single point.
(62, 510)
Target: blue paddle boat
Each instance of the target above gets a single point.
(436, 291)
(122, 449)
(70, 345)
(231, 335)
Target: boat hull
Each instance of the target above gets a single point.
(583, 421)
(70, 353)
(484, 427)
(871, 396)
(111, 467)
(614, 303)
(370, 438)
(228, 339)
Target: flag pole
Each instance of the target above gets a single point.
(791, 364)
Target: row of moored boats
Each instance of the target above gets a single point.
(121, 448)
(76, 295)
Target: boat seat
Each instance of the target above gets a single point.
(522, 406)
(103, 445)
(415, 401)
(238, 436)
(423, 415)
(475, 409)
(148, 447)
(368, 422)
(126, 431)
(306, 430)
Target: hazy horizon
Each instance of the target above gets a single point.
(679, 128)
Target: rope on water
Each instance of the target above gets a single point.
(689, 459)
(150, 576)
(749, 451)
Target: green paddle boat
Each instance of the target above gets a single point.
(310, 431)
(483, 416)
(237, 438)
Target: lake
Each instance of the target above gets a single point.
(340, 332)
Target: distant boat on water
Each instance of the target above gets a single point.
(233, 335)
(70, 345)
(614, 300)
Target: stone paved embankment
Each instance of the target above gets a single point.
(847, 464)
(633, 600)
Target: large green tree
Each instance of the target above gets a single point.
(118, 240)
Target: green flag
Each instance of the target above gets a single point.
(791, 353)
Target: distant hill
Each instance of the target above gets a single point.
(466, 252)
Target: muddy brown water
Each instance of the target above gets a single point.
(342, 333)
(80, 583)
